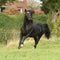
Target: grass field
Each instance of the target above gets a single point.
(46, 50)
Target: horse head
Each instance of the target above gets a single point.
(28, 14)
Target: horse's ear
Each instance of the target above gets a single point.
(25, 10)
(33, 11)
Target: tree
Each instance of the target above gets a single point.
(2, 2)
(53, 8)
(50, 5)
(32, 4)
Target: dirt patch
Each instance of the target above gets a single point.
(16, 42)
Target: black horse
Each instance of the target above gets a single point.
(32, 29)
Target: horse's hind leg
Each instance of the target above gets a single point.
(36, 41)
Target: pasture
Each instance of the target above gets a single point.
(46, 50)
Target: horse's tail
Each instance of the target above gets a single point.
(47, 31)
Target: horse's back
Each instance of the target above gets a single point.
(37, 26)
(37, 29)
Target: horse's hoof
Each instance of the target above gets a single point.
(35, 47)
(18, 47)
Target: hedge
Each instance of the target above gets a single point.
(10, 25)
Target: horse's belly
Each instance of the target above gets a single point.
(35, 34)
(37, 31)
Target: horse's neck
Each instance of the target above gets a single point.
(26, 21)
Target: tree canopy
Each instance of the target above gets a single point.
(2, 2)
(50, 5)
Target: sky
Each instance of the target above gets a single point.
(38, 0)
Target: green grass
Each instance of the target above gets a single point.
(46, 50)
(10, 22)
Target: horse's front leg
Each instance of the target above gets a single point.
(22, 39)
(20, 42)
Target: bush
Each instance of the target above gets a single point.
(11, 11)
(9, 24)
(56, 26)
(40, 18)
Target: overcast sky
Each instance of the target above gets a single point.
(38, 0)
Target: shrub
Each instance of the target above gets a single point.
(40, 18)
(11, 11)
(9, 24)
